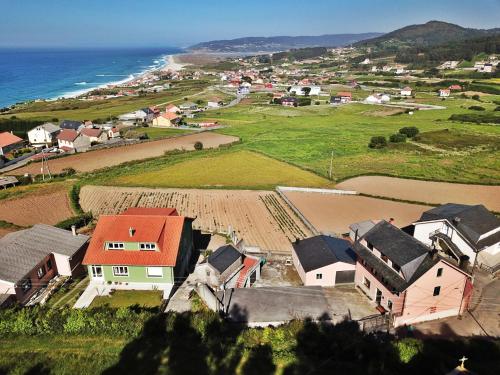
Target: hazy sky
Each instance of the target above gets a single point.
(183, 22)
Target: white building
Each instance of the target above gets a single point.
(444, 93)
(378, 99)
(407, 91)
(44, 135)
(138, 116)
(467, 233)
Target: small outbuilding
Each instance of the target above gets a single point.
(324, 260)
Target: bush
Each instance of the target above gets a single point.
(78, 221)
(408, 348)
(476, 97)
(378, 142)
(409, 131)
(477, 108)
(497, 109)
(68, 171)
(397, 138)
(198, 146)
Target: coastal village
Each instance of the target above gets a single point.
(116, 224)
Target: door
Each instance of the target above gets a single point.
(97, 273)
(344, 277)
(378, 296)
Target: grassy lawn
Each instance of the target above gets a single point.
(158, 133)
(67, 295)
(125, 298)
(307, 136)
(223, 169)
(59, 354)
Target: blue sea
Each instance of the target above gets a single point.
(27, 74)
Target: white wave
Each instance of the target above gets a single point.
(111, 75)
(81, 83)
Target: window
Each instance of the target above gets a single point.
(366, 282)
(437, 290)
(396, 267)
(120, 270)
(116, 245)
(41, 272)
(384, 257)
(389, 304)
(96, 271)
(49, 264)
(370, 246)
(147, 246)
(319, 276)
(439, 272)
(155, 272)
(26, 285)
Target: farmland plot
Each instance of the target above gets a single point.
(260, 218)
(48, 205)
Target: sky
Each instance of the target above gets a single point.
(180, 23)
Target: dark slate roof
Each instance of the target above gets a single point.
(473, 221)
(362, 227)
(390, 277)
(321, 251)
(70, 124)
(21, 251)
(222, 258)
(398, 246)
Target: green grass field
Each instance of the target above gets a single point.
(236, 169)
(307, 136)
(126, 298)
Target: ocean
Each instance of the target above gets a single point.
(27, 74)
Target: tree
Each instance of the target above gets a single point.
(198, 146)
(409, 131)
(378, 142)
(397, 138)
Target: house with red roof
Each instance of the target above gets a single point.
(70, 140)
(166, 120)
(95, 135)
(142, 248)
(9, 142)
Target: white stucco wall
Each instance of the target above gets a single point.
(7, 287)
(62, 264)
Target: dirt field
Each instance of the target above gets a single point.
(425, 191)
(47, 205)
(90, 161)
(4, 231)
(332, 214)
(260, 218)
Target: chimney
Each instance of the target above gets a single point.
(456, 220)
(131, 232)
(391, 220)
(73, 230)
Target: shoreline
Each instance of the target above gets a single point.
(169, 64)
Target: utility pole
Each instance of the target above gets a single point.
(331, 166)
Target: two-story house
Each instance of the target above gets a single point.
(30, 258)
(70, 141)
(44, 135)
(408, 279)
(469, 234)
(142, 248)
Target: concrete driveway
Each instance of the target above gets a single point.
(347, 300)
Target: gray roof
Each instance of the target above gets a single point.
(389, 277)
(473, 221)
(321, 251)
(21, 251)
(49, 127)
(362, 227)
(70, 124)
(222, 258)
(398, 246)
(8, 180)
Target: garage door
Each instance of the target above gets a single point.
(342, 277)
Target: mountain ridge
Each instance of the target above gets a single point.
(280, 43)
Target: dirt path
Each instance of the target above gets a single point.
(90, 161)
(425, 191)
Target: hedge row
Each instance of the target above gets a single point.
(31, 321)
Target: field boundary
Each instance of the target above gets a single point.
(317, 190)
(297, 212)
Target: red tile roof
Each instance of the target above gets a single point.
(7, 139)
(162, 226)
(248, 264)
(67, 135)
(345, 93)
(91, 132)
